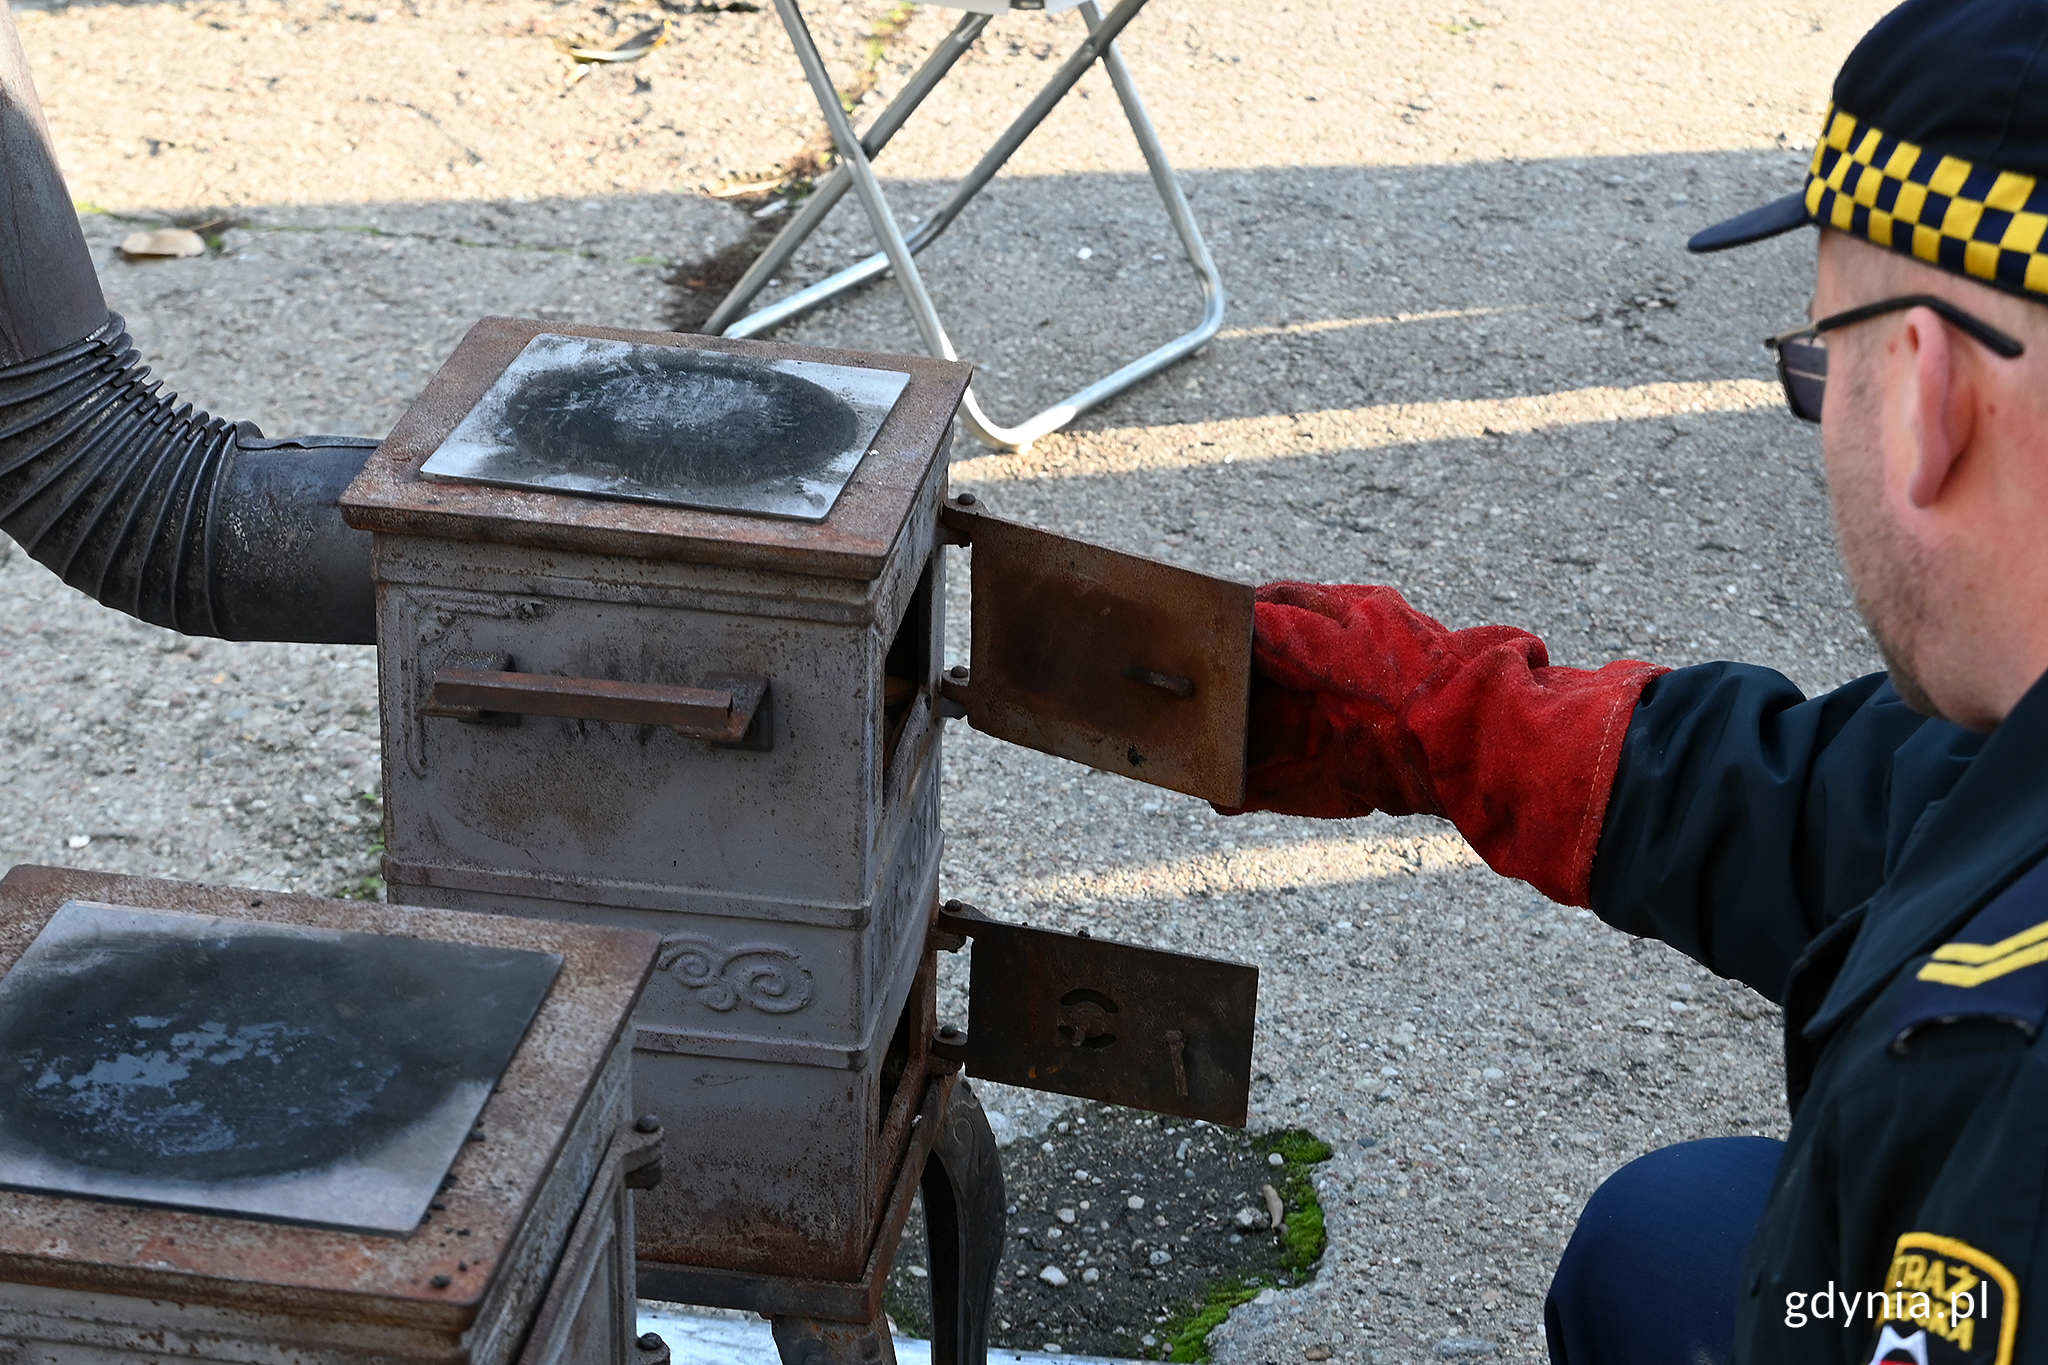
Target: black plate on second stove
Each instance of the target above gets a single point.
(243, 1067)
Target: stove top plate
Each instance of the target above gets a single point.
(684, 428)
(273, 1071)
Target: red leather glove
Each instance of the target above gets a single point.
(1361, 703)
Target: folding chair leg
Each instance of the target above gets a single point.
(855, 158)
(927, 232)
(898, 253)
(827, 193)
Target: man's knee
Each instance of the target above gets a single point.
(1652, 1268)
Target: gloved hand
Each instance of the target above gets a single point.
(1361, 703)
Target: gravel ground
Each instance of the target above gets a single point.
(1118, 1226)
(1466, 354)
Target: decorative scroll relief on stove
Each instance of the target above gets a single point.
(762, 976)
(268, 1070)
(809, 992)
(671, 425)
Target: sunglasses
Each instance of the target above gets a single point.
(1803, 356)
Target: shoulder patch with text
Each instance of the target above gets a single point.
(1996, 967)
(1945, 1303)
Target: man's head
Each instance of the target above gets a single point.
(1931, 178)
(1937, 459)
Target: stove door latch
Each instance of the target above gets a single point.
(1076, 1015)
(730, 710)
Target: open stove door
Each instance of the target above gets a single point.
(1112, 660)
(1115, 1022)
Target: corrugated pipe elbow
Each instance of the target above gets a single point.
(174, 516)
(165, 513)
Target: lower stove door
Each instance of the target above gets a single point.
(1165, 1032)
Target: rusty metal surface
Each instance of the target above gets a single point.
(719, 715)
(1160, 1031)
(853, 542)
(575, 1326)
(1123, 663)
(440, 1275)
(856, 1300)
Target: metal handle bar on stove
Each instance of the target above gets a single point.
(720, 714)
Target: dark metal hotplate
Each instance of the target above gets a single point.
(665, 424)
(235, 1066)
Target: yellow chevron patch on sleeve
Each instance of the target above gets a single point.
(1972, 964)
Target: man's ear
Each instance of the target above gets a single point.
(1942, 415)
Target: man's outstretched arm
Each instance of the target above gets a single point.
(1715, 808)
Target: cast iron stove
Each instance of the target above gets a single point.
(624, 681)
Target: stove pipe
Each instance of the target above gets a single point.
(180, 518)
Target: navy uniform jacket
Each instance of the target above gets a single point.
(1882, 876)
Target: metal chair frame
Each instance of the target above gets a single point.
(898, 254)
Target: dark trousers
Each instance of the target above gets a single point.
(1653, 1269)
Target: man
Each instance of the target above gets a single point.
(1875, 859)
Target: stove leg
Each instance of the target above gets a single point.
(963, 1205)
(810, 1341)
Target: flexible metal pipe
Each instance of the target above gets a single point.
(177, 517)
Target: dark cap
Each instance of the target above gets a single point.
(1935, 145)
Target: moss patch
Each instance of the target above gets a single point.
(1185, 1338)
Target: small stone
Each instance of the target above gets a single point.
(1320, 1351)
(1136, 1201)
(1148, 1340)
(1051, 1348)
(1053, 1276)
(918, 1272)
(170, 242)
(1159, 1256)
(78, 841)
(1246, 1219)
(1464, 1348)
(1085, 253)
(1090, 1275)
(1275, 1159)
(1066, 1215)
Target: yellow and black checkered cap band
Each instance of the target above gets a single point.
(1971, 219)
